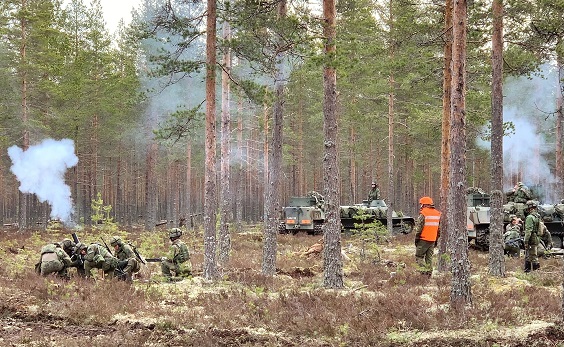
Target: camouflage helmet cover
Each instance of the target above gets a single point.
(175, 233)
(67, 243)
(80, 246)
(116, 240)
(532, 204)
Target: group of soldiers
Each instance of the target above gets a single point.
(123, 263)
(528, 235)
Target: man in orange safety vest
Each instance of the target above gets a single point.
(427, 233)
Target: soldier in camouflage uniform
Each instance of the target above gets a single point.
(54, 259)
(546, 238)
(178, 258)
(97, 257)
(521, 193)
(531, 238)
(69, 246)
(128, 262)
(374, 193)
(512, 237)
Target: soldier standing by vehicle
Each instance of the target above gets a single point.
(427, 233)
(178, 258)
(532, 239)
(374, 193)
(97, 257)
(54, 259)
(128, 262)
(512, 237)
(521, 193)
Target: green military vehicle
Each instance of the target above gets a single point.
(353, 217)
(303, 214)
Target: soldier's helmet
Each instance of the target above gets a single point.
(374, 184)
(532, 204)
(67, 244)
(175, 233)
(116, 240)
(426, 201)
(80, 246)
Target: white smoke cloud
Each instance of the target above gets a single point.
(41, 171)
(528, 104)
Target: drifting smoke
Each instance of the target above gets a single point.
(528, 153)
(41, 170)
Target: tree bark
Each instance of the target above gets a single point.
(225, 205)
(460, 294)
(332, 261)
(23, 197)
(210, 199)
(559, 132)
(187, 211)
(272, 188)
(151, 202)
(239, 179)
(443, 263)
(496, 256)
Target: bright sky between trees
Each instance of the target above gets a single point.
(114, 10)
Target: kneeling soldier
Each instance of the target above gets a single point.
(54, 259)
(128, 263)
(97, 257)
(178, 259)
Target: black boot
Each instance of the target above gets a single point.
(536, 266)
(527, 266)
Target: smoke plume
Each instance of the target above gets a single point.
(41, 171)
(529, 103)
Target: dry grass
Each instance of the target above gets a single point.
(386, 299)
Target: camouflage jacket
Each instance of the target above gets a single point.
(374, 194)
(61, 255)
(513, 233)
(125, 252)
(522, 194)
(532, 228)
(175, 252)
(97, 253)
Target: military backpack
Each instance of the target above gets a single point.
(183, 255)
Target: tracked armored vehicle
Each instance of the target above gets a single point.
(303, 214)
(478, 214)
(353, 217)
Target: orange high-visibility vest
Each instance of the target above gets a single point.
(431, 228)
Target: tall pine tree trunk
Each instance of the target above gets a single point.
(460, 294)
(332, 261)
(225, 201)
(352, 164)
(210, 199)
(443, 263)
(559, 132)
(187, 211)
(497, 261)
(239, 179)
(24, 198)
(272, 187)
(151, 187)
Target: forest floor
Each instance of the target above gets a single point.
(385, 302)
